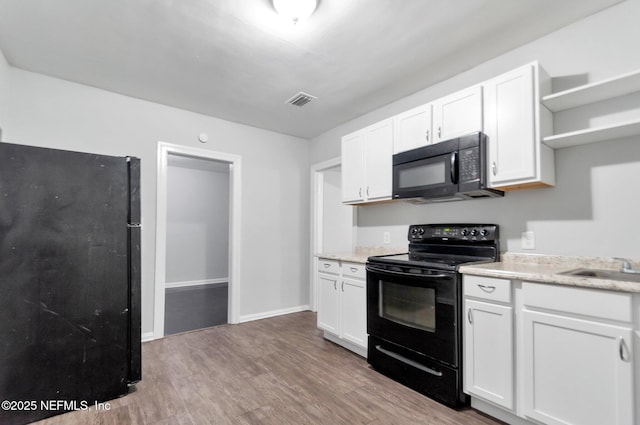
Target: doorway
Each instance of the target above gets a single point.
(332, 222)
(197, 249)
(197, 261)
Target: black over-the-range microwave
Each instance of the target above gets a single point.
(452, 170)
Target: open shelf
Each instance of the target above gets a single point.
(591, 135)
(594, 92)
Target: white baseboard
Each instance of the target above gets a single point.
(272, 313)
(147, 336)
(217, 281)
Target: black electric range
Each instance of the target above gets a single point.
(414, 307)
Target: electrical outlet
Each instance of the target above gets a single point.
(528, 240)
(386, 237)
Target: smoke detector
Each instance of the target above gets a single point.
(301, 99)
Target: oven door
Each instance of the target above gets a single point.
(415, 308)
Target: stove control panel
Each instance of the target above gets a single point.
(453, 232)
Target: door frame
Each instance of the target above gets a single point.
(317, 221)
(235, 167)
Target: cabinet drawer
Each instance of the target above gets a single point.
(356, 270)
(328, 266)
(584, 301)
(487, 288)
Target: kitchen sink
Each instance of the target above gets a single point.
(603, 274)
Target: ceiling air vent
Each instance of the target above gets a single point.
(301, 99)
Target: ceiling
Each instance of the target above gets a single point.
(239, 61)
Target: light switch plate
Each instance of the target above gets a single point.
(528, 240)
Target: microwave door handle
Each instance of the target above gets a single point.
(454, 167)
(434, 276)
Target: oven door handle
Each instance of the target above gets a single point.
(434, 276)
(410, 362)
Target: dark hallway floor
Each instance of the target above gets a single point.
(195, 307)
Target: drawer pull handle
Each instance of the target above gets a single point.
(486, 288)
(470, 316)
(622, 348)
(327, 265)
(354, 269)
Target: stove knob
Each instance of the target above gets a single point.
(484, 232)
(421, 231)
(414, 230)
(465, 232)
(474, 232)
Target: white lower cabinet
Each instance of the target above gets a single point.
(488, 340)
(577, 369)
(551, 354)
(354, 311)
(342, 304)
(328, 301)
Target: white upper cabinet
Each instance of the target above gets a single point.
(352, 167)
(367, 163)
(506, 108)
(515, 123)
(457, 114)
(412, 129)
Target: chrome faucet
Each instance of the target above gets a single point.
(626, 266)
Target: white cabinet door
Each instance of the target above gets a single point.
(489, 351)
(510, 126)
(577, 371)
(328, 302)
(378, 151)
(353, 167)
(367, 163)
(354, 311)
(457, 114)
(513, 124)
(412, 129)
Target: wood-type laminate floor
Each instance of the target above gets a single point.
(276, 371)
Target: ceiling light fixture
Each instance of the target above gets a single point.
(295, 10)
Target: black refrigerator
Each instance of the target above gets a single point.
(69, 280)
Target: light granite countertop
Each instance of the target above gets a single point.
(360, 254)
(547, 269)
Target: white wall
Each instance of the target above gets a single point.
(274, 272)
(197, 221)
(4, 91)
(594, 208)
